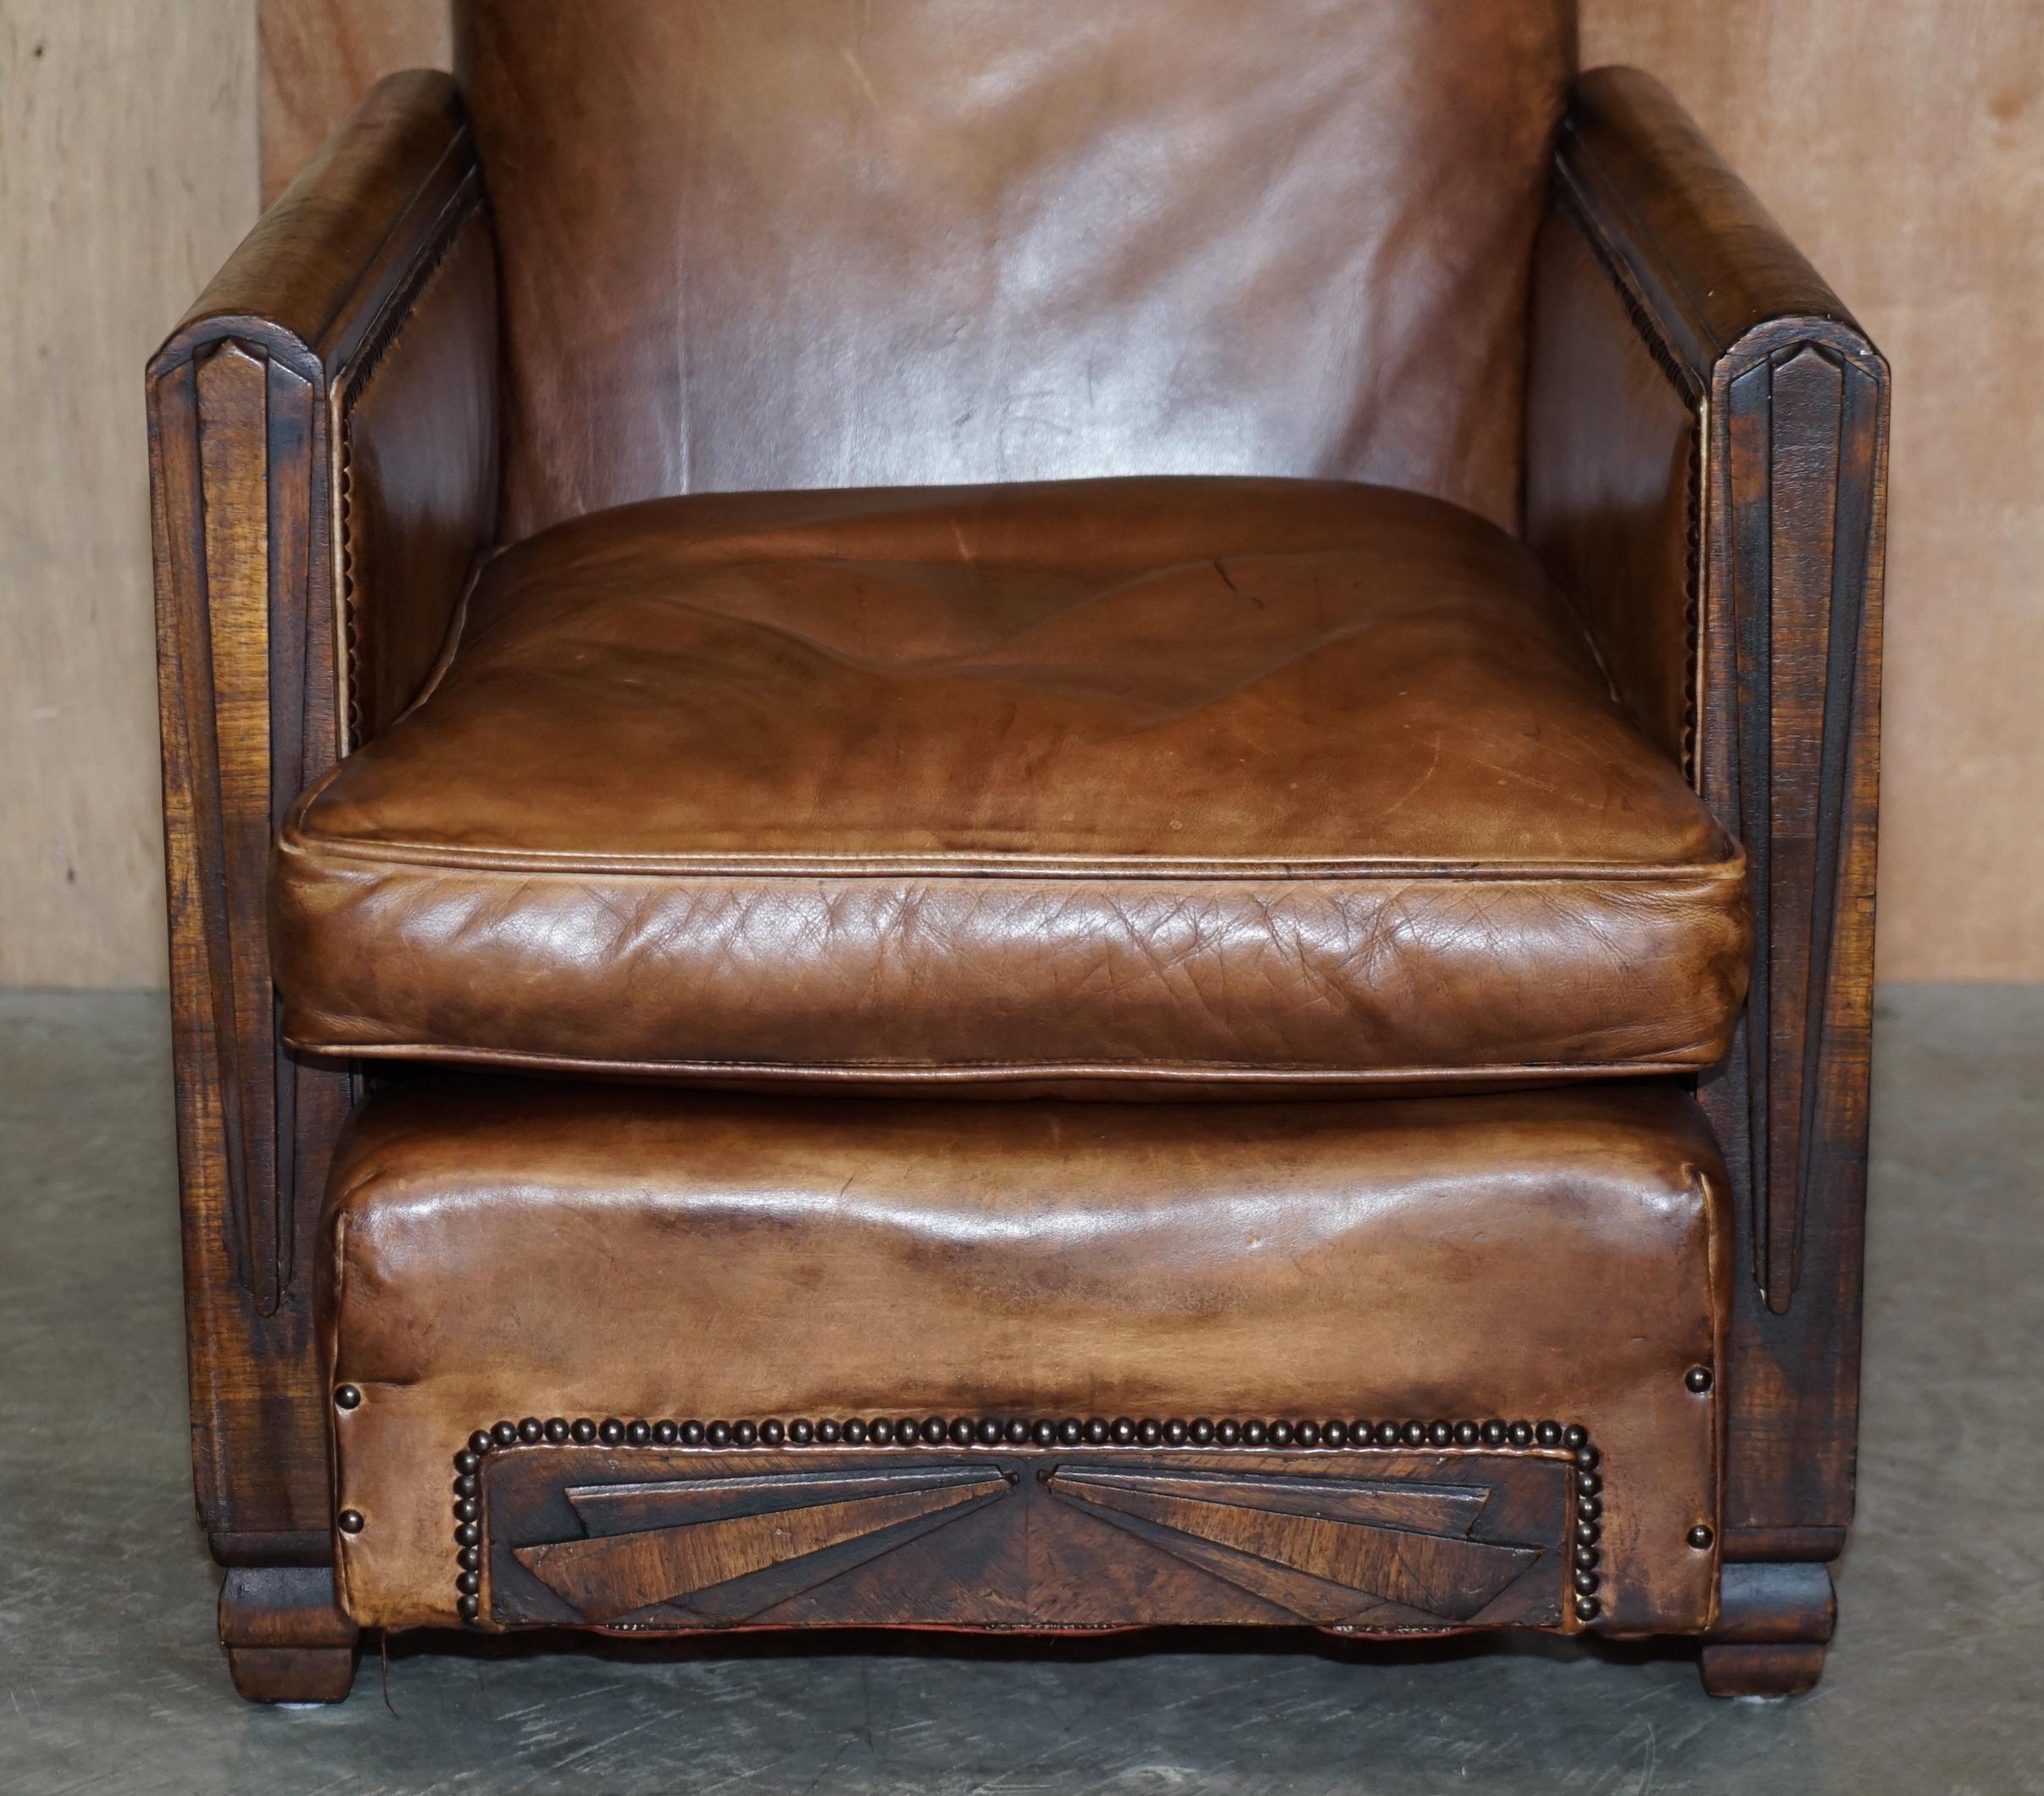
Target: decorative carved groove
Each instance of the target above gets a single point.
(1434, 1570)
(1390, 1527)
(236, 430)
(1415, 1508)
(609, 1575)
(224, 567)
(233, 591)
(1801, 427)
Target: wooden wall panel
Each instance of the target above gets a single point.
(318, 57)
(127, 172)
(1903, 144)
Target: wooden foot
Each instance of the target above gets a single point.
(288, 1674)
(287, 1640)
(1787, 1670)
(1773, 1623)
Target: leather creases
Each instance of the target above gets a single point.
(1167, 784)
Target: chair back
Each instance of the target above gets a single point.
(755, 244)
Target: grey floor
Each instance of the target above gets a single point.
(110, 1680)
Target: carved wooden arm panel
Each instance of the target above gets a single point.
(287, 429)
(1706, 475)
(1794, 757)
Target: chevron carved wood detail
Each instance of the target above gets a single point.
(1802, 426)
(1336, 1553)
(765, 1523)
(948, 1529)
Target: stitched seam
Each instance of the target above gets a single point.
(933, 1070)
(1665, 357)
(1129, 871)
(402, 307)
(457, 625)
(1574, 206)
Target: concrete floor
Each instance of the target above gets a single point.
(109, 1679)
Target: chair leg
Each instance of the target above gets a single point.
(287, 1640)
(1773, 1623)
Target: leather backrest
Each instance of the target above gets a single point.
(797, 243)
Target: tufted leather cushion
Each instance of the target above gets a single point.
(810, 243)
(1169, 781)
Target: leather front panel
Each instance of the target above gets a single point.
(1159, 780)
(813, 245)
(504, 1250)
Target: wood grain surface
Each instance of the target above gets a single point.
(128, 172)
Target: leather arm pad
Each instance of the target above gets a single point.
(1710, 266)
(373, 278)
(1657, 272)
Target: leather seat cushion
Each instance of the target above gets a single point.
(500, 1250)
(1203, 781)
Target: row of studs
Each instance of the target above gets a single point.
(966, 1430)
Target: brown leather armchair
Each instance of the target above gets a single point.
(1296, 609)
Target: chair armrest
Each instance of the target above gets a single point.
(1706, 479)
(1659, 278)
(372, 281)
(323, 474)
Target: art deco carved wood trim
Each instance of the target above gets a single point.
(1393, 1526)
(1802, 426)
